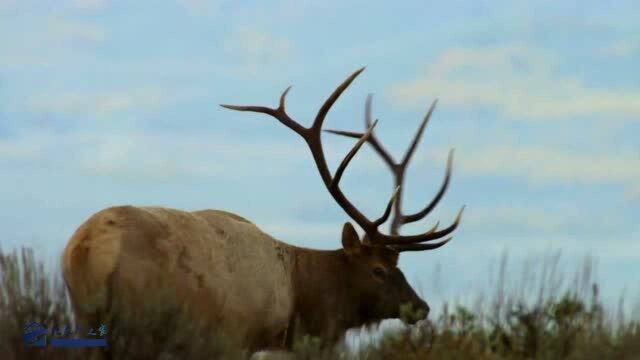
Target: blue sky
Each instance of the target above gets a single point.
(105, 103)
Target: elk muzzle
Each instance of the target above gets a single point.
(415, 311)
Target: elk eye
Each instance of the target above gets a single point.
(379, 272)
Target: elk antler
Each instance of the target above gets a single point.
(399, 169)
(312, 136)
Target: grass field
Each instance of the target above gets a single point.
(558, 322)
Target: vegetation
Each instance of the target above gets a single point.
(555, 323)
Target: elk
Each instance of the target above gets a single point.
(118, 258)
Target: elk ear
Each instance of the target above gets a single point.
(350, 240)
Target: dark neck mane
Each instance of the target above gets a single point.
(320, 281)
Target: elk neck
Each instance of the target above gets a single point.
(321, 284)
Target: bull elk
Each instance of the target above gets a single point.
(115, 260)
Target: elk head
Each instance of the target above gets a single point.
(371, 261)
(376, 286)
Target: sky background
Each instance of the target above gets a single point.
(105, 103)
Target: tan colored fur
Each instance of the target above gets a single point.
(205, 257)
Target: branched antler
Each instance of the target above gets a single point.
(399, 168)
(312, 136)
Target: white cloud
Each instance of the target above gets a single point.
(256, 50)
(7, 4)
(516, 80)
(544, 164)
(110, 102)
(199, 7)
(622, 48)
(633, 193)
(554, 218)
(16, 149)
(54, 41)
(134, 154)
(73, 31)
(91, 4)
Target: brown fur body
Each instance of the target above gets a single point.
(128, 252)
(227, 271)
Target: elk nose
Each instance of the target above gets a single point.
(426, 308)
(421, 309)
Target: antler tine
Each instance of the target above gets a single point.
(351, 134)
(443, 188)
(312, 137)
(420, 247)
(399, 171)
(351, 154)
(429, 235)
(324, 109)
(373, 140)
(387, 211)
(377, 145)
(394, 166)
(279, 113)
(418, 135)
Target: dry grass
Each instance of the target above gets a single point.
(557, 322)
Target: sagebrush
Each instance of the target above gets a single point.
(569, 323)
